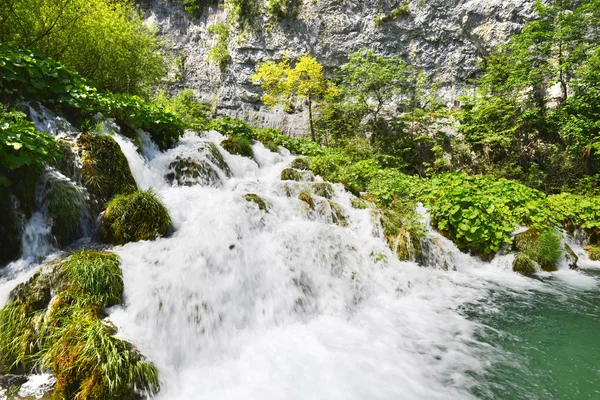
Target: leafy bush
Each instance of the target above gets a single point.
(278, 10)
(219, 52)
(21, 145)
(194, 114)
(480, 213)
(232, 127)
(105, 41)
(134, 217)
(302, 146)
(576, 211)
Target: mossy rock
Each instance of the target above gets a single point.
(105, 171)
(322, 189)
(134, 217)
(301, 163)
(256, 199)
(65, 204)
(54, 321)
(333, 211)
(401, 231)
(212, 153)
(523, 264)
(290, 174)
(401, 244)
(189, 172)
(593, 252)
(358, 203)
(272, 146)
(11, 228)
(545, 247)
(238, 145)
(68, 164)
(307, 198)
(570, 256)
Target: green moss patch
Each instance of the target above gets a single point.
(189, 172)
(54, 321)
(105, 170)
(301, 164)
(359, 203)
(256, 199)
(545, 247)
(134, 217)
(238, 145)
(523, 264)
(322, 189)
(307, 198)
(290, 174)
(213, 154)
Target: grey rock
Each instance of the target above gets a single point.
(445, 38)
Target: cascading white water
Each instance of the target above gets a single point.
(241, 303)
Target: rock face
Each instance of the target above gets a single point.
(445, 38)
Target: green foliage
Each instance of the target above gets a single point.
(219, 52)
(270, 136)
(285, 84)
(105, 170)
(21, 145)
(259, 201)
(228, 126)
(54, 322)
(278, 10)
(576, 211)
(134, 217)
(196, 7)
(194, 114)
(544, 247)
(239, 145)
(105, 41)
(480, 213)
(244, 13)
(23, 75)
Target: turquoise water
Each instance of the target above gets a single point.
(546, 342)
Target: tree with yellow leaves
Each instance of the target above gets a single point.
(283, 83)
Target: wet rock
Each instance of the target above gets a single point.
(307, 198)
(523, 264)
(189, 172)
(571, 257)
(322, 189)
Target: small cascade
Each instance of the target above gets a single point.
(47, 121)
(36, 240)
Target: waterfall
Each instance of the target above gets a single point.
(241, 302)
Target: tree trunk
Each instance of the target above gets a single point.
(310, 121)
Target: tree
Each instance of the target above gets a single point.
(376, 83)
(283, 84)
(106, 41)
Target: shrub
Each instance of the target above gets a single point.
(480, 213)
(194, 114)
(134, 217)
(228, 126)
(239, 145)
(303, 146)
(219, 52)
(544, 247)
(576, 211)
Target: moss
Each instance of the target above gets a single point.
(402, 231)
(545, 248)
(254, 198)
(65, 204)
(301, 163)
(322, 189)
(134, 217)
(307, 198)
(11, 227)
(334, 211)
(238, 145)
(593, 252)
(105, 170)
(523, 264)
(66, 334)
(189, 172)
(359, 203)
(213, 154)
(290, 174)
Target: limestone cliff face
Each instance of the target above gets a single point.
(446, 38)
